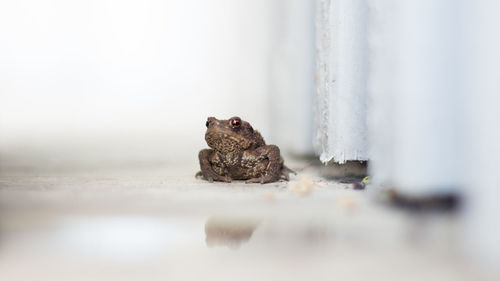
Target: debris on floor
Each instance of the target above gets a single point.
(304, 186)
(346, 202)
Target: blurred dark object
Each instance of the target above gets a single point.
(358, 186)
(350, 169)
(438, 202)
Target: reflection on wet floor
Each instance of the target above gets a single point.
(146, 228)
(230, 232)
(169, 244)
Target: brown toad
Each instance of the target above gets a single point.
(238, 152)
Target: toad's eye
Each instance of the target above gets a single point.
(206, 124)
(236, 123)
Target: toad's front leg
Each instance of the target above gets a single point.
(272, 171)
(207, 170)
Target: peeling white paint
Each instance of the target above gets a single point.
(341, 69)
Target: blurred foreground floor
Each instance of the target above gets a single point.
(163, 224)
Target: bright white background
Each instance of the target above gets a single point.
(96, 82)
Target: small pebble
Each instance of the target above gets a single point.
(269, 196)
(358, 186)
(346, 203)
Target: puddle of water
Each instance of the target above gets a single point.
(193, 248)
(121, 238)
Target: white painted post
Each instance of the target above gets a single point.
(482, 123)
(341, 102)
(414, 118)
(434, 114)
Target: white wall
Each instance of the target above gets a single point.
(128, 80)
(292, 75)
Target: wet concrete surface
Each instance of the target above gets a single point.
(163, 224)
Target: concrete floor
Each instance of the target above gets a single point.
(163, 224)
